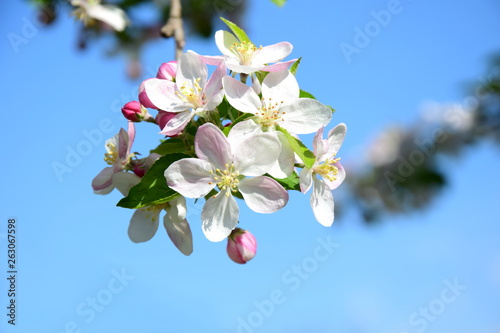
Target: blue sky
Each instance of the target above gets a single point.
(79, 272)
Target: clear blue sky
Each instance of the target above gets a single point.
(437, 270)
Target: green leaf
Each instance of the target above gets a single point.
(299, 148)
(291, 182)
(295, 66)
(237, 31)
(279, 3)
(153, 188)
(170, 146)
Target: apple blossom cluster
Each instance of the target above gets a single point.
(227, 137)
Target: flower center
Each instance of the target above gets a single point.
(227, 180)
(191, 95)
(112, 155)
(270, 112)
(328, 169)
(244, 52)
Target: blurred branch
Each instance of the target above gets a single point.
(174, 27)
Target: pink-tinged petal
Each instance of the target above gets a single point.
(131, 136)
(211, 145)
(163, 117)
(241, 96)
(177, 124)
(305, 179)
(339, 177)
(123, 143)
(263, 194)
(124, 181)
(285, 164)
(305, 116)
(214, 84)
(162, 95)
(256, 86)
(167, 71)
(234, 65)
(177, 226)
(278, 66)
(214, 101)
(280, 86)
(143, 224)
(320, 146)
(190, 177)
(336, 138)
(191, 68)
(322, 202)
(143, 97)
(219, 217)
(224, 40)
(272, 53)
(212, 60)
(103, 182)
(255, 155)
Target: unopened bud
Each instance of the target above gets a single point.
(163, 117)
(241, 246)
(143, 97)
(134, 111)
(167, 71)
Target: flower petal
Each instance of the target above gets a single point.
(211, 145)
(272, 53)
(214, 101)
(143, 224)
(175, 125)
(111, 15)
(322, 202)
(219, 217)
(320, 146)
(103, 182)
(191, 68)
(161, 94)
(241, 131)
(214, 84)
(281, 86)
(124, 181)
(255, 155)
(190, 177)
(339, 177)
(241, 96)
(123, 144)
(279, 66)
(224, 40)
(305, 178)
(305, 116)
(263, 194)
(336, 138)
(177, 226)
(284, 166)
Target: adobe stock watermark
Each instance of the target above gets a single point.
(425, 315)
(292, 278)
(363, 36)
(89, 309)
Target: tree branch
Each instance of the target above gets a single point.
(174, 27)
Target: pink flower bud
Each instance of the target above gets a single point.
(163, 117)
(167, 71)
(241, 246)
(134, 111)
(143, 97)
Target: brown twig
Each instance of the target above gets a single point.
(174, 27)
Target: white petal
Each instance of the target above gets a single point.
(320, 146)
(336, 138)
(241, 96)
(241, 131)
(305, 116)
(219, 217)
(305, 179)
(214, 84)
(214, 101)
(191, 68)
(339, 177)
(103, 182)
(279, 66)
(284, 166)
(224, 40)
(190, 177)
(143, 224)
(162, 94)
(124, 181)
(178, 231)
(111, 15)
(263, 194)
(177, 124)
(322, 202)
(281, 86)
(211, 145)
(255, 155)
(272, 53)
